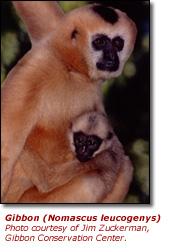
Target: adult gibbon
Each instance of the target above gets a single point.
(57, 80)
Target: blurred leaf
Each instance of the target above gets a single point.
(71, 5)
(9, 47)
(140, 153)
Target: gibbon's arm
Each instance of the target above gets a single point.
(80, 189)
(101, 171)
(18, 117)
(19, 112)
(46, 178)
(19, 183)
(122, 183)
(87, 188)
(90, 185)
(40, 17)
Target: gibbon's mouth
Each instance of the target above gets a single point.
(83, 158)
(108, 65)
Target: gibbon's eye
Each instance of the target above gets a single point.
(79, 138)
(100, 42)
(94, 142)
(118, 42)
(91, 142)
(79, 141)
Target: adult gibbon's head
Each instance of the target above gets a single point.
(95, 40)
(90, 134)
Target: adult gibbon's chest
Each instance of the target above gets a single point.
(51, 145)
(49, 139)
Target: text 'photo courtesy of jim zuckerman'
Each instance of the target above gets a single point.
(51, 227)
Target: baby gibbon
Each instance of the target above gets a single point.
(89, 135)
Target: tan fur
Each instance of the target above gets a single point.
(79, 191)
(51, 85)
(122, 183)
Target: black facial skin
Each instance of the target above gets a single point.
(86, 145)
(110, 48)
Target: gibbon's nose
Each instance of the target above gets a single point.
(84, 151)
(109, 53)
(111, 59)
(109, 56)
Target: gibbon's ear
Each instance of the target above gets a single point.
(40, 17)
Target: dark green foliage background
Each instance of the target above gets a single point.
(126, 98)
